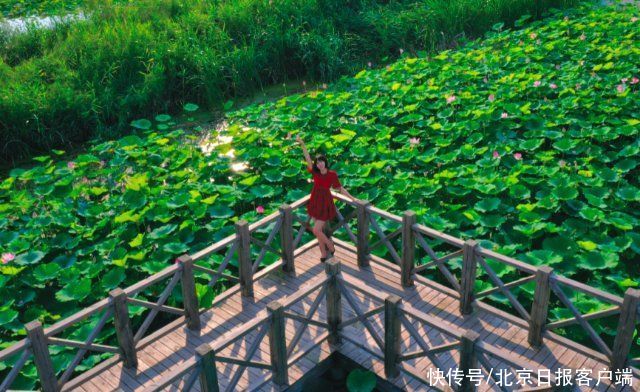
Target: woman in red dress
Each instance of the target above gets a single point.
(321, 206)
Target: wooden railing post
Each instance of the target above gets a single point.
(626, 326)
(540, 305)
(391, 335)
(468, 278)
(334, 307)
(408, 248)
(244, 258)
(468, 359)
(189, 296)
(286, 238)
(208, 375)
(278, 343)
(363, 233)
(41, 356)
(123, 328)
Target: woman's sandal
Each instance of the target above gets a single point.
(323, 259)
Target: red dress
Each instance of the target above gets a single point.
(321, 206)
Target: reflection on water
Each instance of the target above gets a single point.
(214, 138)
(21, 25)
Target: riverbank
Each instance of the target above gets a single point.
(65, 86)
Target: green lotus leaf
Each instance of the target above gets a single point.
(162, 232)
(220, 211)
(175, 248)
(142, 123)
(262, 191)
(492, 220)
(621, 220)
(179, 200)
(361, 381)
(629, 193)
(75, 291)
(542, 257)
(591, 214)
(626, 165)
(134, 199)
(31, 257)
(113, 278)
(598, 261)
(44, 272)
(191, 107)
(162, 118)
(565, 193)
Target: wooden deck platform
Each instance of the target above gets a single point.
(175, 345)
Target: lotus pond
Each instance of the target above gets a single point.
(526, 141)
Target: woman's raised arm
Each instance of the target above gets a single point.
(305, 152)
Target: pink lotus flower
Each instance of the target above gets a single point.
(7, 257)
(553, 86)
(324, 86)
(369, 64)
(536, 83)
(496, 155)
(634, 80)
(577, 86)
(582, 37)
(414, 141)
(634, 19)
(517, 156)
(504, 115)
(71, 165)
(620, 88)
(401, 50)
(624, 80)
(533, 35)
(562, 163)
(304, 82)
(451, 98)
(260, 209)
(492, 97)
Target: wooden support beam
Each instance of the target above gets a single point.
(468, 278)
(363, 233)
(468, 359)
(41, 356)
(334, 307)
(540, 305)
(286, 238)
(123, 328)
(208, 374)
(626, 326)
(407, 264)
(189, 296)
(391, 335)
(278, 343)
(244, 258)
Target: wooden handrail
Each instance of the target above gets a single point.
(405, 259)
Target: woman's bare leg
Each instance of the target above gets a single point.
(322, 238)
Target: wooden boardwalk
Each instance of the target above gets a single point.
(284, 312)
(173, 346)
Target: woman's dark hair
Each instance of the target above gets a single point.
(322, 158)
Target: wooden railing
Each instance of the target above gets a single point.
(473, 260)
(334, 289)
(291, 227)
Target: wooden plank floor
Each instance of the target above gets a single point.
(230, 310)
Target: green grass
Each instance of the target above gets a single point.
(89, 80)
